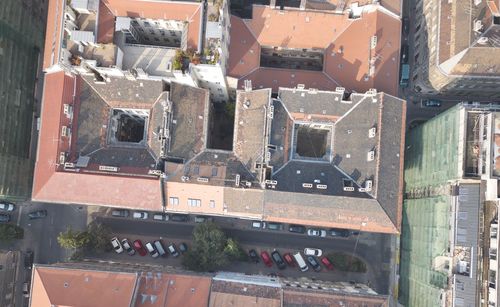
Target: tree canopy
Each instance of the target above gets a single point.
(208, 248)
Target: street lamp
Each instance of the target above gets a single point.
(363, 224)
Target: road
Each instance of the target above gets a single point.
(374, 249)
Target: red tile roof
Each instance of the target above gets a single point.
(51, 184)
(346, 44)
(53, 33)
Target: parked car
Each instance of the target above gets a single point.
(326, 262)
(406, 25)
(337, 232)
(140, 248)
(159, 247)
(314, 263)
(39, 214)
(179, 218)
(160, 217)
(117, 246)
(183, 247)
(315, 232)
(278, 260)
(4, 218)
(143, 215)
(274, 226)
(120, 213)
(6, 206)
(289, 259)
(300, 261)
(433, 103)
(259, 225)
(152, 250)
(126, 246)
(266, 259)
(404, 54)
(172, 249)
(308, 251)
(29, 256)
(202, 219)
(253, 255)
(26, 289)
(297, 228)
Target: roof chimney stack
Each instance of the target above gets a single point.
(303, 4)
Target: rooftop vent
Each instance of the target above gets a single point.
(307, 185)
(247, 85)
(321, 186)
(202, 179)
(482, 40)
(237, 180)
(372, 132)
(108, 168)
(300, 86)
(368, 185)
(246, 104)
(370, 156)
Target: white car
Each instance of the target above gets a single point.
(117, 246)
(314, 232)
(143, 215)
(5, 206)
(308, 251)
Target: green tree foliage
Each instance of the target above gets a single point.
(72, 239)
(208, 249)
(234, 251)
(10, 232)
(345, 262)
(100, 236)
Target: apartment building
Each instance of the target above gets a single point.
(448, 244)
(84, 285)
(455, 48)
(322, 45)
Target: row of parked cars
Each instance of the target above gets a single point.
(159, 216)
(293, 260)
(7, 207)
(155, 249)
(313, 232)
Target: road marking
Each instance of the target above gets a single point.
(19, 215)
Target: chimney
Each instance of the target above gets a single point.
(273, 4)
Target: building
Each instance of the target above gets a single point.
(21, 47)
(455, 48)
(72, 285)
(281, 46)
(102, 134)
(448, 244)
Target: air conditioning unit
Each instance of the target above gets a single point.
(372, 132)
(202, 179)
(307, 185)
(373, 42)
(62, 158)
(65, 131)
(370, 156)
(368, 185)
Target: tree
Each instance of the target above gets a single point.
(234, 251)
(208, 248)
(10, 232)
(72, 239)
(100, 236)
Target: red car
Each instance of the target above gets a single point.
(140, 248)
(327, 263)
(289, 259)
(266, 258)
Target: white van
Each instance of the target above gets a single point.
(300, 261)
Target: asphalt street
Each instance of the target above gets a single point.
(374, 249)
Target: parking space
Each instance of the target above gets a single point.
(374, 249)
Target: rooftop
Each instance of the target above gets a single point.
(370, 61)
(469, 38)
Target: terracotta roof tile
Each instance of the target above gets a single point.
(81, 288)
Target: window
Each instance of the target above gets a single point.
(212, 204)
(174, 201)
(194, 202)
